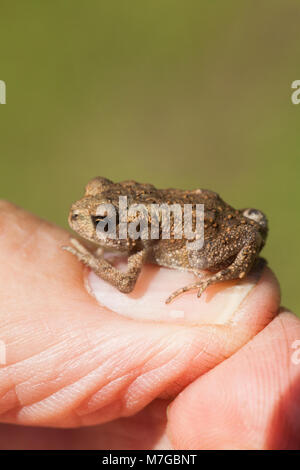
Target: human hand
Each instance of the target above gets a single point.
(72, 363)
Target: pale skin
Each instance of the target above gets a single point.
(72, 363)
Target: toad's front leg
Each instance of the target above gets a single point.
(123, 281)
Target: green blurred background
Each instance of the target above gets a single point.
(186, 94)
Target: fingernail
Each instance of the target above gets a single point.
(216, 305)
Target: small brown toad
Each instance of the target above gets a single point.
(133, 219)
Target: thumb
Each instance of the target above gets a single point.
(249, 401)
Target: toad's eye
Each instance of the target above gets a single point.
(252, 213)
(98, 218)
(257, 216)
(102, 221)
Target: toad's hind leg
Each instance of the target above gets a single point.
(124, 281)
(237, 270)
(182, 290)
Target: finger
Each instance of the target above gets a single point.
(71, 361)
(250, 401)
(145, 430)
